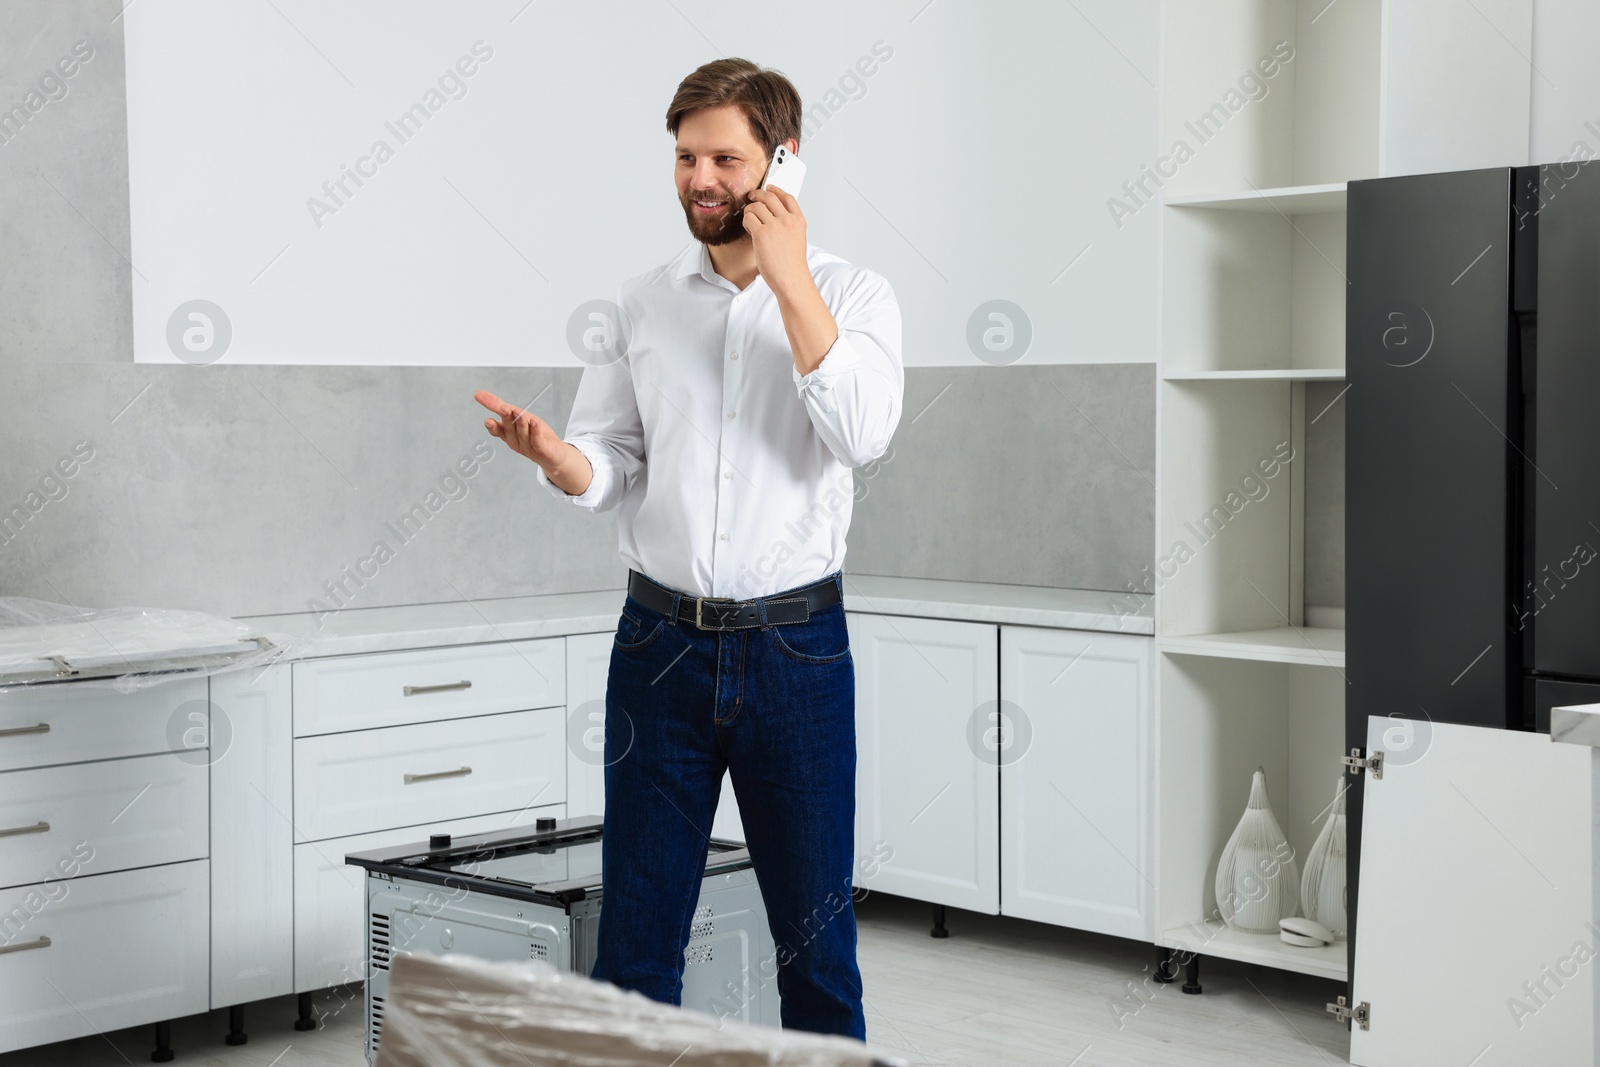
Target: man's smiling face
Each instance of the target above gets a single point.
(718, 164)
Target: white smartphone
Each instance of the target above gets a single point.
(785, 171)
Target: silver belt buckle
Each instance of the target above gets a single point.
(700, 608)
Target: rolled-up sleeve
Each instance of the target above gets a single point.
(854, 395)
(605, 426)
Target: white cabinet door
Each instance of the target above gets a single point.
(727, 825)
(252, 837)
(330, 896)
(103, 952)
(588, 667)
(1076, 751)
(927, 789)
(1475, 932)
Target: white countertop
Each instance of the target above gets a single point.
(1576, 724)
(463, 622)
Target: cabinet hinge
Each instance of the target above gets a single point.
(1355, 763)
(1361, 1014)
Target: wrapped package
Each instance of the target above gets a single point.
(461, 1011)
(123, 648)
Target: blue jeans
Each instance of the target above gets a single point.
(775, 707)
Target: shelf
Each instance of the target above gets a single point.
(1329, 961)
(1316, 646)
(1302, 374)
(1285, 200)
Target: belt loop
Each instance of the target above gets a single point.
(761, 611)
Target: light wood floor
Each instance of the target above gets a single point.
(997, 991)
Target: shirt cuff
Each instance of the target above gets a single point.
(840, 359)
(590, 496)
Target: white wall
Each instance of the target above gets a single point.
(550, 180)
(1566, 80)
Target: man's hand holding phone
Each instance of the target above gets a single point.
(529, 435)
(777, 226)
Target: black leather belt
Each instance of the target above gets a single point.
(725, 613)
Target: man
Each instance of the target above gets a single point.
(758, 370)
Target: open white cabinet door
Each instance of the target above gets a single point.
(1475, 938)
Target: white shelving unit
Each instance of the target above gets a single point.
(1316, 646)
(1291, 200)
(1274, 374)
(1252, 311)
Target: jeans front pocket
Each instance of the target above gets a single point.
(634, 633)
(823, 638)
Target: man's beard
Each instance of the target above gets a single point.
(716, 229)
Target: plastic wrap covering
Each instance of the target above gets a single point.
(461, 1011)
(123, 648)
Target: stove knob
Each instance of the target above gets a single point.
(438, 841)
(544, 822)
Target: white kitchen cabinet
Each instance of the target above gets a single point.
(307, 762)
(588, 668)
(1075, 779)
(728, 825)
(370, 780)
(102, 952)
(426, 685)
(588, 665)
(49, 725)
(330, 934)
(927, 787)
(106, 922)
(111, 816)
(252, 835)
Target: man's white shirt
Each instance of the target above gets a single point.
(733, 472)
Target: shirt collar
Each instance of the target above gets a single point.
(696, 259)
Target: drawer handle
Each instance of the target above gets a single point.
(459, 772)
(414, 690)
(14, 731)
(43, 942)
(16, 831)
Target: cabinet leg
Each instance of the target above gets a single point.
(236, 1034)
(1164, 971)
(938, 922)
(307, 1021)
(1191, 974)
(163, 1052)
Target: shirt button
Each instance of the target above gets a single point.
(727, 474)
(731, 414)
(734, 355)
(724, 537)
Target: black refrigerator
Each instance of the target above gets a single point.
(1472, 452)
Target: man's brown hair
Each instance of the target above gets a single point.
(768, 99)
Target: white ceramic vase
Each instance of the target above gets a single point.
(1322, 891)
(1258, 878)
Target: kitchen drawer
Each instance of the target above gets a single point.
(428, 772)
(104, 952)
(330, 920)
(89, 819)
(427, 685)
(90, 723)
